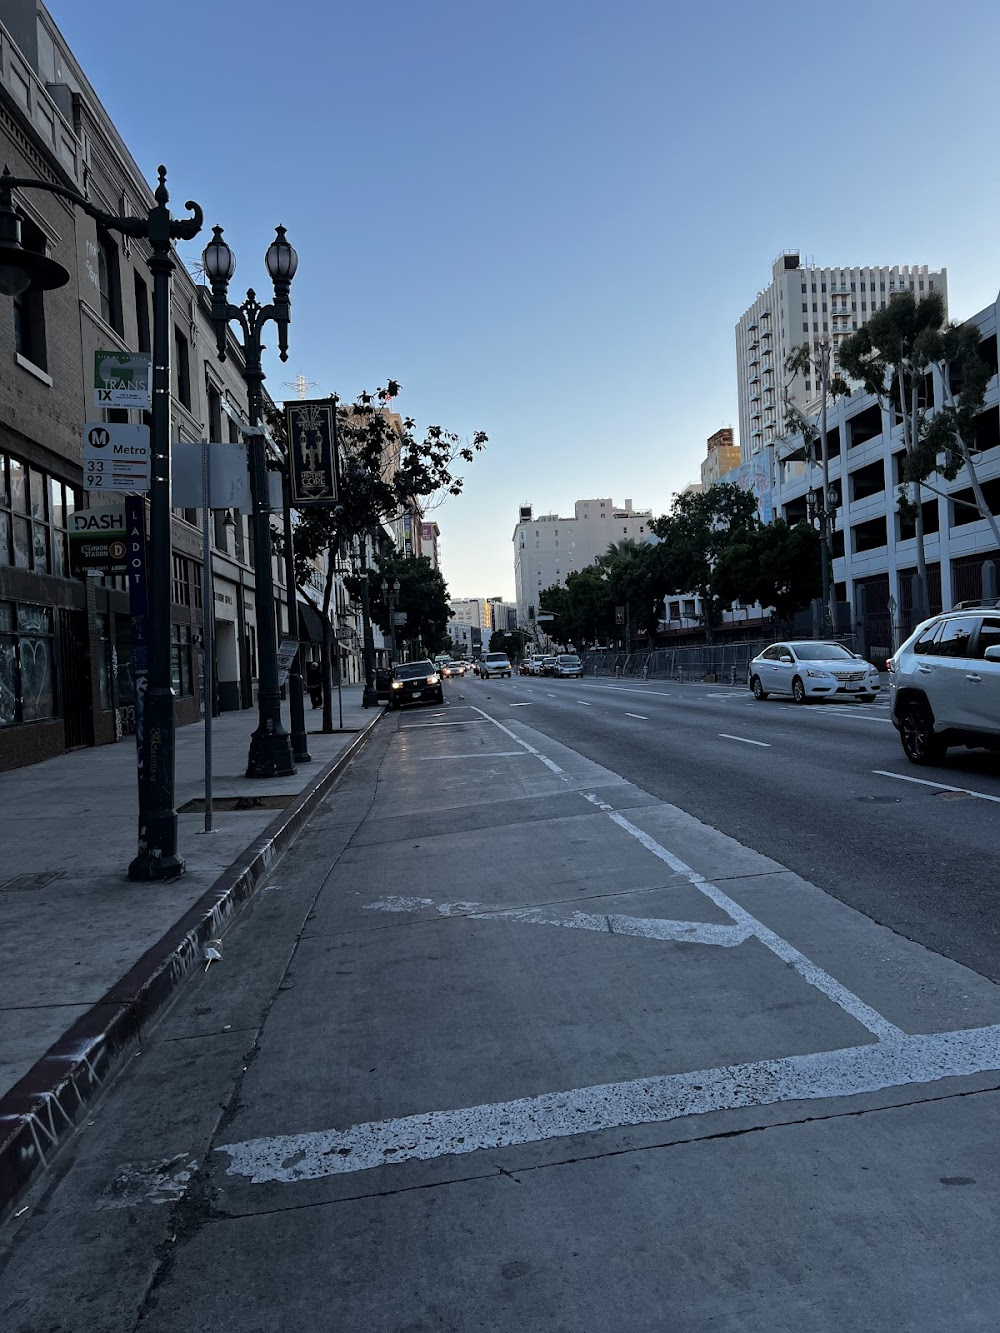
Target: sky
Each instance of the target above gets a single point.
(543, 218)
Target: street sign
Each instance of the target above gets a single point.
(286, 656)
(619, 615)
(228, 477)
(312, 451)
(545, 615)
(399, 617)
(97, 541)
(116, 457)
(121, 379)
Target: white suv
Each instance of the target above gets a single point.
(945, 682)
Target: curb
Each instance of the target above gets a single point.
(42, 1109)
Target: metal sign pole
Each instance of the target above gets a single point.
(207, 618)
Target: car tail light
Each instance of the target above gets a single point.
(889, 666)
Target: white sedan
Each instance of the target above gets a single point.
(811, 669)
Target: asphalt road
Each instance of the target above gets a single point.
(805, 785)
(510, 1042)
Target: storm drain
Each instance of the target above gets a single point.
(238, 803)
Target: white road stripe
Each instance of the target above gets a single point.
(584, 702)
(898, 1063)
(554, 768)
(637, 715)
(521, 705)
(942, 786)
(745, 739)
(806, 969)
(420, 726)
(480, 754)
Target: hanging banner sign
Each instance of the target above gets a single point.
(312, 452)
(138, 605)
(121, 379)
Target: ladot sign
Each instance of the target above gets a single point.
(97, 541)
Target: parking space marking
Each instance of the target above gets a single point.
(552, 767)
(806, 968)
(942, 786)
(766, 745)
(481, 754)
(422, 726)
(899, 1063)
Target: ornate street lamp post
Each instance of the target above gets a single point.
(157, 856)
(270, 745)
(390, 598)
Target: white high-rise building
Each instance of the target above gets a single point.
(803, 304)
(547, 549)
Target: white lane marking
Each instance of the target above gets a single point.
(898, 1063)
(626, 689)
(553, 768)
(639, 716)
(613, 923)
(942, 786)
(479, 754)
(745, 739)
(808, 970)
(584, 702)
(422, 726)
(526, 704)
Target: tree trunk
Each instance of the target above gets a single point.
(325, 654)
(984, 510)
(910, 429)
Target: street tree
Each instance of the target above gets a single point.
(423, 596)
(773, 564)
(692, 536)
(513, 642)
(891, 356)
(386, 469)
(584, 609)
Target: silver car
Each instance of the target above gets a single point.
(809, 669)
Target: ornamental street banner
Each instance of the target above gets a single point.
(312, 452)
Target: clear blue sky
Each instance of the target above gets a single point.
(544, 217)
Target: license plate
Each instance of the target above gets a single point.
(417, 694)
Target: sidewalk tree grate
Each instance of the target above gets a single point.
(37, 881)
(278, 802)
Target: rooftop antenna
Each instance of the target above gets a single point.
(300, 384)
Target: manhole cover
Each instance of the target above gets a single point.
(879, 800)
(36, 881)
(238, 803)
(953, 795)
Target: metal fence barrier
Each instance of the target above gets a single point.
(727, 663)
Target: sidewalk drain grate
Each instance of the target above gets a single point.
(37, 881)
(197, 807)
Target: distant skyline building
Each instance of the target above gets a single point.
(805, 303)
(548, 549)
(470, 611)
(723, 454)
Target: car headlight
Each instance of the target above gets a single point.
(397, 684)
(822, 675)
(433, 680)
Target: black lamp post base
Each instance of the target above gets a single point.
(270, 755)
(371, 699)
(148, 867)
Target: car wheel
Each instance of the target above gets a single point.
(799, 691)
(867, 698)
(758, 689)
(921, 743)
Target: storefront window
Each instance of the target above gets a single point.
(27, 664)
(34, 510)
(181, 675)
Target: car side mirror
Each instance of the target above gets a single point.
(785, 658)
(992, 653)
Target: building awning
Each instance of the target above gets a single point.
(310, 624)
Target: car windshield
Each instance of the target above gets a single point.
(822, 652)
(568, 660)
(414, 670)
(496, 657)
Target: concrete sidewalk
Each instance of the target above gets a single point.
(73, 926)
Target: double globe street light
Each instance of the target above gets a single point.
(20, 270)
(270, 745)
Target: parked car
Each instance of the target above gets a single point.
(945, 683)
(415, 682)
(548, 666)
(810, 669)
(568, 664)
(495, 664)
